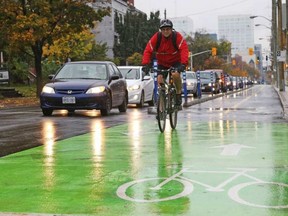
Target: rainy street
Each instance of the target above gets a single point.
(226, 155)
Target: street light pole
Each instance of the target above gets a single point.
(281, 47)
(274, 39)
(273, 29)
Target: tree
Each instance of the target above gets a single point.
(27, 23)
(135, 59)
(73, 46)
(200, 43)
(134, 33)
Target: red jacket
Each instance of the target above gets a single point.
(166, 54)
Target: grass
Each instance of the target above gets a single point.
(29, 97)
(26, 91)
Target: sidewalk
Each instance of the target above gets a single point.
(283, 95)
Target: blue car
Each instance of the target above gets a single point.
(85, 85)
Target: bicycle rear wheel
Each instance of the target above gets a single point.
(161, 111)
(173, 110)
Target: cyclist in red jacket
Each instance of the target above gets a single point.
(167, 54)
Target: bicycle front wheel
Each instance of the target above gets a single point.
(173, 110)
(161, 111)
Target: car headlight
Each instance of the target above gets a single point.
(47, 89)
(96, 90)
(134, 87)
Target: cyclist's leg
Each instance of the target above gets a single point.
(178, 84)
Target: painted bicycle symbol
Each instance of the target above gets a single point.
(152, 185)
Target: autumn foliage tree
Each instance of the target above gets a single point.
(32, 24)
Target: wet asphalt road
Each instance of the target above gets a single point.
(24, 128)
(228, 154)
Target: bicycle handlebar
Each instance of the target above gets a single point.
(165, 71)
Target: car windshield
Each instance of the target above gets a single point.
(130, 73)
(205, 75)
(83, 71)
(190, 76)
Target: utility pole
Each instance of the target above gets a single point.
(281, 47)
(286, 31)
(274, 42)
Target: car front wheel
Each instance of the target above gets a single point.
(123, 106)
(106, 111)
(47, 112)
(141, 103)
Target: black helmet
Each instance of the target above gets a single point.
(166, 23)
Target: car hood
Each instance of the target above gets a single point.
(76, 84)
(133, 82)
(204, 80)
(191, 80)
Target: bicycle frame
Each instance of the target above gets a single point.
(218, 188)
(166, 100)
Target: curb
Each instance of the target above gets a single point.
(283, 96)
(201, 100)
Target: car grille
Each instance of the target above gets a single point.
(69, 91)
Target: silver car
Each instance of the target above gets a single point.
(191, 83)
(140, 86)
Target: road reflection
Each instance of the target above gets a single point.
(134, 129)
(48, 134)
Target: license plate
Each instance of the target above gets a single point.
(68, 100)
(203, 88)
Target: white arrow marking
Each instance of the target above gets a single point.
(231, 149)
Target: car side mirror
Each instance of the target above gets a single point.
(51, 76)
(147, 77)
(114, 77)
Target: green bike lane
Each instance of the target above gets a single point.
(88, 174)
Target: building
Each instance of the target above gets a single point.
(184, 25)
(105, 30)
(239, 30)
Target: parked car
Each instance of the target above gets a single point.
(85, 85)
(235, 82)
(140, 87)
(229, 82)
(191, 83)
(210, 82)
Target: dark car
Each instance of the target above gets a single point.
(210, 81)
(85, 85)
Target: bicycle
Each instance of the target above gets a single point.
(152, 186)
(166, 101)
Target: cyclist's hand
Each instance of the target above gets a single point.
(181, 68)
(146, 69)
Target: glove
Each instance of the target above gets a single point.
(146, 69)
(181, 68)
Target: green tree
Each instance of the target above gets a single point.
(200, 43)
(135, 59)
(134, 33)
(34, 23)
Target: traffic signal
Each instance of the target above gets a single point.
(251, 51)
(257, 60)
(214, 51)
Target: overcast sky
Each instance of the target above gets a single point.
(204, 13)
